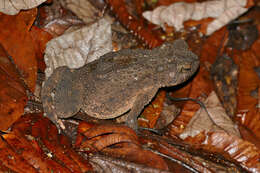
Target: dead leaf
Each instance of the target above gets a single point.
(12, 7)
(55, 19)
(37, 135)
(176, 14)
(248, 82)
(12, 160)
(12, 93)
(40, 38)
(213, 46)
(117, 141)
(79, 47)
(111, 165)
(202, 123)
(83, 9)
(232, 147)
(17, 41)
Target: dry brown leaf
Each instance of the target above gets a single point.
(201, 121)
(231, 147)
(40, 38)
(110, 165)
(79, 47)
(83, 9)
(12, 93)
(10, 159)
(117, 141)
(248, 112)
(35, 139)
(12, 7)
(17, 41)
(55, 19)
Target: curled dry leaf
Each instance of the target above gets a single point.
(12, 7)
(79, 47)
(176, 14)
(124, 141)
(201, 122)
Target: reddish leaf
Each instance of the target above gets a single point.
(11, 160)
(124, 141)
(249, 82)
(23, 146)
(17, 41)
(56, 147)
(12, 92)
(40, 38)
(236, 149)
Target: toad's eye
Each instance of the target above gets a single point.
(185, 68)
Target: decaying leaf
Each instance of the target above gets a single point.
(244, 153)
(248, 111)
(12, 92)
(83, 9)
(174, 15)
(79, 47)
(201, 122)
(40, 38)
(56, 19)
(12, 7)
(33, 145)
(110, 165)
(16, 39)
(117, 141)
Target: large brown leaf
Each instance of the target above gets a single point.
(12, 92)
(249, 83)
(17, 41)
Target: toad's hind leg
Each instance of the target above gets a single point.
(141, 100)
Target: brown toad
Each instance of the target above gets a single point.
(117, 83)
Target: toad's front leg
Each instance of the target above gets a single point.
(139, 103)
